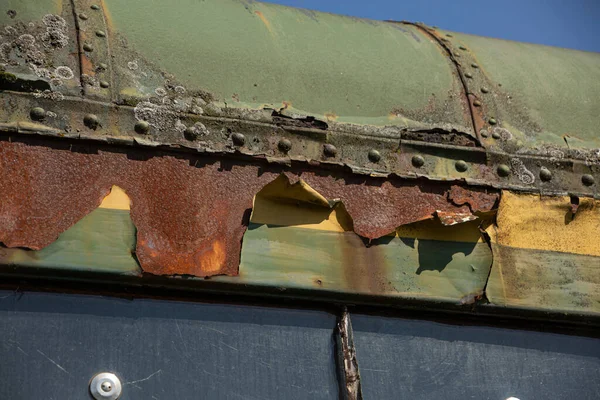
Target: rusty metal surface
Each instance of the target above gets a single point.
(189, 211)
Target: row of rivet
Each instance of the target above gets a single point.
(89, 48)
(285, 145)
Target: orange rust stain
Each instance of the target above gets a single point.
(264, 20)
(331, 116)
(213, 259)
(107, 16)
(87, 66)
(286, 104)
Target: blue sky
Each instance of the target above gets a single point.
(573, 24)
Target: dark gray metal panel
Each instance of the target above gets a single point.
(52, 344)
(406, 359)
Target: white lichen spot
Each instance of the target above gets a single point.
(51, 114)
(519, 169)
(10, 30)
(132, 65)
(179, 126)
(503, 133)
(25, 40)
(199, 129)
(160, 91)
(55, 82)
(64, 72)
(179, 90)
(48, 94)
(56, 34)
(158, 116)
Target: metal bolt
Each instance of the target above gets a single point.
(496, 135)
(37, 113)
(474, 65)
(329, 150)
(545, 174)
(461, 166)
(374, 155)
(83, 16)
(503, 170)
(485, 90)
(469, 75)
(88, 47)
(91, 121)
(476, 103)
(418, 161)
(238, 139)
(462, 47)
(587, 180)
(104, 84)
(105, 386)
(95, 7)
(190, 134)
(100, 34)
(483, 133)
(284, 145)
(142, 127)
(492, 121)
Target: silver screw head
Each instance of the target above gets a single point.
(105, 386)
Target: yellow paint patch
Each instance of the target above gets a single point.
(545, 223)
(264, 20)
(117, 199)
(433, 229)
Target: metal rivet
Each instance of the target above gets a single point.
(190, 134)
(37, 113)
(284, 145)
(102, 66)
(484, 90)
(104, 84)
(238, 139)
(545, 174)
(476, 103)
(462, 47)
(503, 170)
(374, 156)
(496, 135)
(456, 54)
(449, 35)
(418, 161)
(483, 133)
(95, 7)
(587, 180)
(329, 150)
(83, 16)
(468, 75)
(105, 386)
(474, 65)
(100, 33)
(461, 166)
(88, 47)
(493, 121)
(142, 127)
(91, 121)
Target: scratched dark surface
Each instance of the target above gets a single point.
(406, 359)
(52, 344)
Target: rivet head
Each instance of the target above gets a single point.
(190, 134)
(104, 84)
(449, 35)
(469, 75)
(88, 47)
(587, 180)
(374, 156)
(492, 121)
(462, 47)
(105, 386)
(284, 145)
(329, 150)
(418, 161)
(100, 33)
(485, 90)
(483, 133)
(83, 16)
(503, 170)
(238, 139)
(476, 103)
(37, 113)
(103, 66)
(142, 127)
(545, 174)
(496, 135)
(91, 121)
(474, 65)
(461, 166)
(95, 7)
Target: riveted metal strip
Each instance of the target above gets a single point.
(549, 172)
(95, 59)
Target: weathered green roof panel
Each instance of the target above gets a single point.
(250, 54)
(541, 94)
